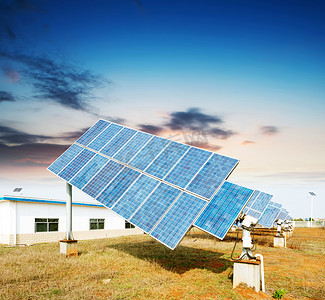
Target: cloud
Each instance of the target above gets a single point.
(192, 119)
(205, 145)
(5, 96)
(12, 75)
(56, 80)
(150, 128)
(269, 130)
(11, 136)
(245, 143)
(30, 155)
(220, 133)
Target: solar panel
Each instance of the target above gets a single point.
(149, 153)
(135, 195)
(154, 207)
(102, 178)
(178, 220)
(269, 215)
(283, 214)
(57, 166)
(88, 171)
(167, 159)
(76, 164)
(211, 176)
(187, 167)
(257, 204)
(92, 132)
(141, 177)
(118, 186)
(223, 209)
(133, 147)
(118, 142)
(105, 136)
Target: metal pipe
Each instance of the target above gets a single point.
(68, 235)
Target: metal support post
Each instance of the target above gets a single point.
(69, 235)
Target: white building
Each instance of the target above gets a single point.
(25, 220)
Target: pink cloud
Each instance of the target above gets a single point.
(12, 75)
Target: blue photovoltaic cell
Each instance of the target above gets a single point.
(133, 147)
(187, 167)
(261, 202)
(269, 215)
(167, 159)
(252, 199)
(148, 153)
(72, 169)
(88, 171)
(118, 142)
(223, 209)
(282, 215)
(106, 135)
(134, 196)
(61, 162)
(245, 210)
(212, 175)
(275, 204)
(118, 186)
(154, 207)
(177, 221)
(254, 214)
(92, 132)
(103, 178)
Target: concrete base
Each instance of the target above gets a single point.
(248, 272)
(279, 241)
(69, 248)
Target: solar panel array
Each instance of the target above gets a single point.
(257, 204)
(157, 184)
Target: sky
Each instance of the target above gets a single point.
(242, 78)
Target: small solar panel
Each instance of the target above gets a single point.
(146, 156)
(211, 176)
(282, 215)
(92, 132)
(135, 196)
(256, 207)
(88, 171)
(269, 215)
(102, 178)
(167, 159)
(154, 207)
(132, 147)
(187, 167)
(77, 163)
(118, 142)
(178, 220)
(63, 160)
(117, 187)
(105, 136)
(223, 209)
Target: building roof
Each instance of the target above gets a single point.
(43, 201)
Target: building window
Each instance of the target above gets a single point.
(96, 224)
(128, 225)
(46, 225)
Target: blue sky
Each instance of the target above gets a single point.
(248, 76)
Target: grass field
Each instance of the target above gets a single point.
(137, 267)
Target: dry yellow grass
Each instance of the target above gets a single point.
(138, 267)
